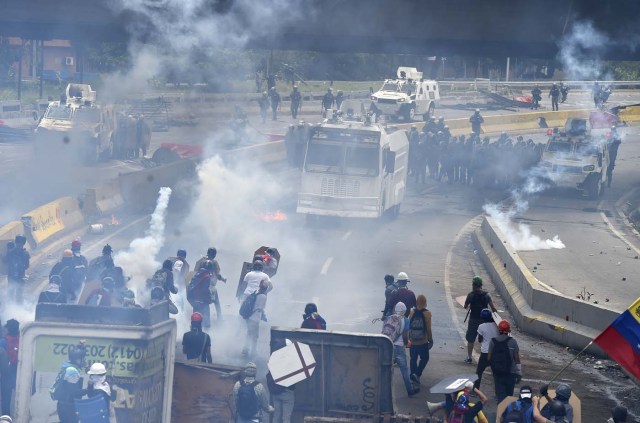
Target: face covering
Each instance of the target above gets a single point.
(100, 383)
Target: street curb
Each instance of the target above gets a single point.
(524, 295)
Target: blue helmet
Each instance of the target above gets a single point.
(486, 315)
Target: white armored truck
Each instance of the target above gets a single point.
(574, 158)
(353, 167)
(407, 97)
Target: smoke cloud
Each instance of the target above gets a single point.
(519, 235)
(139, 260)
(580, 52)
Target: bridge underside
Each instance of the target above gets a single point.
(431, 27)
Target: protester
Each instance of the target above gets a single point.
(390, 286)
(196, 344)
(17, 261)
(396, 328)
(250, 399)
(102, 296)
(253, 321)
(63, 274)
(69, 390)
(504, 359)
(486, 332)
(563, 394)
(618, 415)
(199, 292)
(52, 293)
(458, 407)
(420, 337)
(11, 344)
(253, 279)
(99, 264)
(403, 294)
(283, 399)
(311, 318)
(98, 385)
(557, 412)
(521, 410)
(476, 301)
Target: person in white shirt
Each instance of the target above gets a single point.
(253, 280)
(486, 332)
(253, 321)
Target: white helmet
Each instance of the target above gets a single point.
(402, 276)
(6, 418)
(97, 369)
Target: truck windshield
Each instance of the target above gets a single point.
(559, 146)
(87, 115)
(56, 111)
(349, 153)
(585, 149)
(390, 86)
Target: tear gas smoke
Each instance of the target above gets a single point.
(139, 260)
(580, 52)
(519, 235)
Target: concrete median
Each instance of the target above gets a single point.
(537, 310)
(51, 219)
(629, 114)
(103, 200)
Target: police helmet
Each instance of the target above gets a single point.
(477, 110)
(563, 391)
(295, 87)
(557, 409)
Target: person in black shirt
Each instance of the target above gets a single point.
(52, 294)
(477, 300)
(196, 344)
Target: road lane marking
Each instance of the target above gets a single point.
(347, 235)
(326, 265)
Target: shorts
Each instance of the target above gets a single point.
(472, 330)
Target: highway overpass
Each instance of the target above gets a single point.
(497, 28)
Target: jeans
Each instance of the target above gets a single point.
(418, 352)
(400, 357)
(283, 404)
(504, 386)
(253, 330)
(483, 363)
(16, 289)
(204, 309)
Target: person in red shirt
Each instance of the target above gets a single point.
(403, 294)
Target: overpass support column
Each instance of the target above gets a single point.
(41, 68)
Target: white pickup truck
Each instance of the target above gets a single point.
(407, 96)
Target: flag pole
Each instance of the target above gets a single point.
(569, 363)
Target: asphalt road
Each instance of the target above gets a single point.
(340, 266)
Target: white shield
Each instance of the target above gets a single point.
(291, 364)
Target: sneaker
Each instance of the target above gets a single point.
(414, 377)
(468, 360)
(414, 392)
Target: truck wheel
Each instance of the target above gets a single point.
(430, 112)
(594, 189)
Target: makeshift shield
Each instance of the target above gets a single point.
(292, 364)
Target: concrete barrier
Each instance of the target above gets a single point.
(629, 114)
(139, 189)
(266, 154)
(51, 219)
(537, 310)
(103, 200)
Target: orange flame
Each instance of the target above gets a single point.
(276, 216)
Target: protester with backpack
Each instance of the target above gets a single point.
(556, 409)
(62, 273)
(196, 344)
(421, 338)
(250, 398)
(163, 278)
(311, 318)
(199, 292)
(99, 264)
(458, 406)
(521, 410)
(486, 332)
(80, 265)
(52, 293)
(504, 359)
(11, 344)
(396, 328)
(17, 261)
(253, 319)
(102, 296)
(98, 386)
(68, 385)
(563, 394)
(212, 252)
(476, 301)
(253, 279)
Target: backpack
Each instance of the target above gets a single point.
(246, 308)
(478, 302)
(517, 413)
(417, 326)
(14, 265)
(158, 279)
(198, 289)
(247, 403)
(13, 345)
(392, 327)
(54, 391)
(501, 358)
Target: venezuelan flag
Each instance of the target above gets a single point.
(621, 340)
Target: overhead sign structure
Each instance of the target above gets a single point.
(292, 364)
